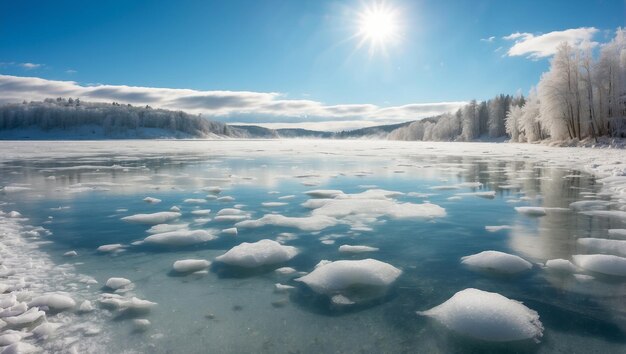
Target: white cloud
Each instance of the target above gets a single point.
(29, 66)
(544, 45)
(228, 106)
(490, 39)
(70, 71)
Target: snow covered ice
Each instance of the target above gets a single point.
(488, 316)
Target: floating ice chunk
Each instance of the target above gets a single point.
(281, 288)
(454, 198)
(114, 247)
(9, 337)
(486, 194)
(190, 265)
(70, 254)
(497, 228)
(231, 211)
(230, 231)
(285, 271)
(7, 300)
(175, 209)
(334, 277)
(152, 219)
(356, 249)
(17, 309)
(117, 283)
(141, 324)
(194, 201)
(33, 314)
(14, 214)
(46, 329)
(161, 228)
(13, 189)
(263, 252)
(585, 205)
(21, 348)
(613, 214)
(273, 204)
(373, 208)
(151, 200)
(496, 261)
(226, 199)
(180, 237)
(487, 316)
(56, 302)
(85, 306)
(531, 211)
(285, 197)
(307, 223)
(618, 233)
(601, 245)
(420, 195)
(602, 263)
(213, 189)
(232, 218)
(201, 212)
(324, 193)
(561, 266)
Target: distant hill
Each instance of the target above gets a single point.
(73, 119)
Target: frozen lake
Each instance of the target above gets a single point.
(417, 207)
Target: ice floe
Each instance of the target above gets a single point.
(496, 261)
(306, 223)
(487, 316)
(496, 228)
(561, 266)
(181, 237)
(154, 218)
(190, 265)
(117, 283)
(260, 253)
(602, 263)
(601, 245)
(330, 278)
(151, 200)
(356, 249)
(56, 302)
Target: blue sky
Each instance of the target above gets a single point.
(302, 50)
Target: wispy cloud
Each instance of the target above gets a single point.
(30, 66)
(70, 71)
(545, 45)
(489, 40)
(229, 106)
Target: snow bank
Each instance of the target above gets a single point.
(152, 219)
(180, 238)
(190, 265)
(334, 277)
(260, 253)
(496, 261)
(602, 263)
(487, 316)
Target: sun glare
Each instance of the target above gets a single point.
(378, 26)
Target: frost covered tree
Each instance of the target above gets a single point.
(112, 118)
(470, 121)
(529, 123)
(512, 123)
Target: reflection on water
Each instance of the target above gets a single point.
(82, 200)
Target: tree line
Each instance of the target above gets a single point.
(579, 97)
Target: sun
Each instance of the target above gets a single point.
(378, 26)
